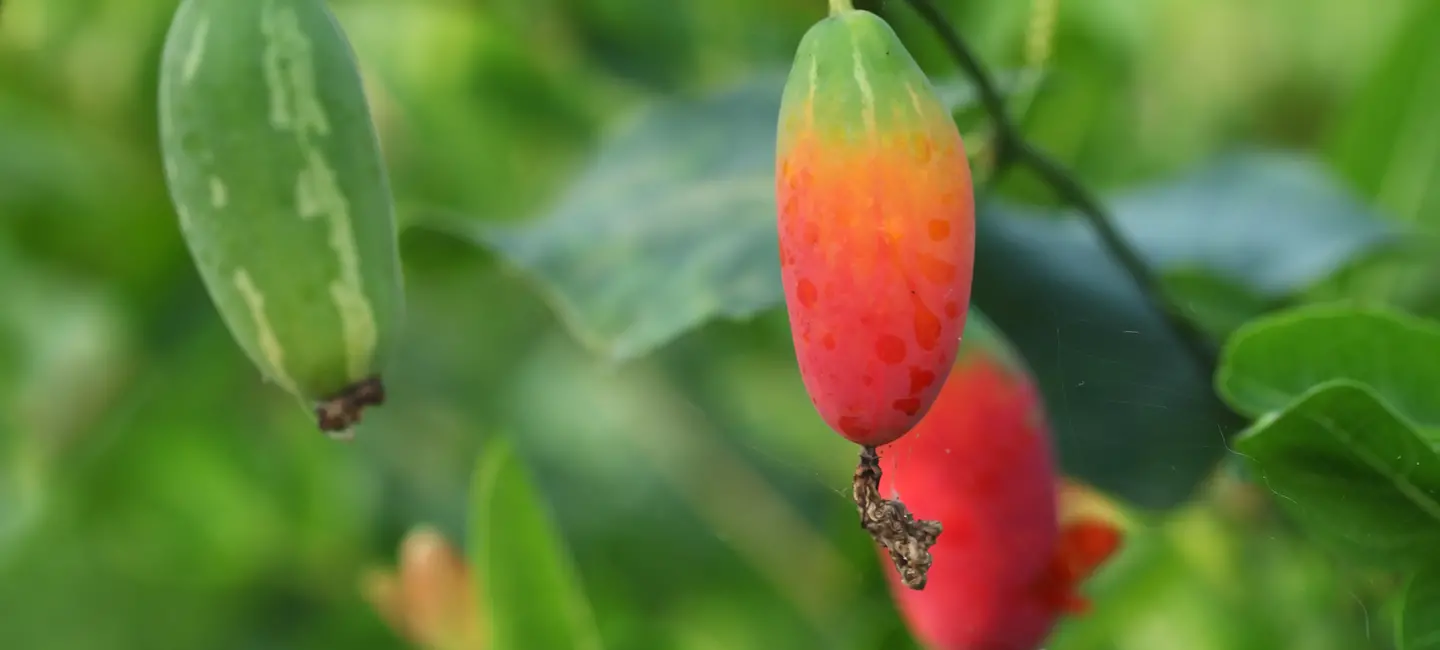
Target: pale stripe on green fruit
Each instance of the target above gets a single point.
(277, 178)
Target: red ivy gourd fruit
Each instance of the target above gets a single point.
(1021, 539)
(877, 239)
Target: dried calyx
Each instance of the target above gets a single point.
(337, 415)
(907, 539)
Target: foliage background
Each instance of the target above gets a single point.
(155, 494)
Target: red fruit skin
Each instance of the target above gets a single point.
(1009, 561)
(876, 229)
(980, 463)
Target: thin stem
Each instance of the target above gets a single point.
(1013, 148)
(838, 6)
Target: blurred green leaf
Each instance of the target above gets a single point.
(1133, 415)
(1108, 365)
(1218, 305)
(1387, 142)
(1387, 145)
(1355, 473)
(1420, 618)
(528, 583)
(1191, 582)
(1268, 363)
(661, 234)
(1272, 222)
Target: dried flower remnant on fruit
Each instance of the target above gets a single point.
(338, 415)
(906, 539)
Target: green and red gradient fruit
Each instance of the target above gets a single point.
(876, 226)
(1019, 540)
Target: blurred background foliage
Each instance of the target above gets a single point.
(155, 494)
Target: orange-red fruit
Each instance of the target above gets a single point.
(1010, 561)
(876, 225)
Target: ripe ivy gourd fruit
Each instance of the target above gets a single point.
(275, 172)
(876, 225)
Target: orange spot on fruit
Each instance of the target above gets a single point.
(935, 269)
(907, 405)
(890, 349)
(939, 229)
(920, 379)
(828, 341)
(805, 292)
(927, 326)
(952, 309)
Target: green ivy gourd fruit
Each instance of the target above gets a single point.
(275, 171)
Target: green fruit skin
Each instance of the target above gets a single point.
(276, 174)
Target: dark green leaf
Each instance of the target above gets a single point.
(531, 592)
(1420, 618)
(1354, 472)
(1133, 414)
(1268, 363)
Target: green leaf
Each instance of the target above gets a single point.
(527, 582)
(667, 228)
(1106, 363)
(1355, 473)
(1420, 618)
(1268, 363)
(1387, 146)
(1272, 222)
(1386, 141)
(1218, 305)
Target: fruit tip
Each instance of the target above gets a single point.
(838, 7)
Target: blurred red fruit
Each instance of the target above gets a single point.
(1011, 560)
